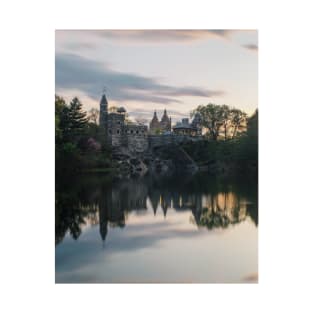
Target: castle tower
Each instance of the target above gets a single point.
(165, 122)
(154, 124)
(104, 114)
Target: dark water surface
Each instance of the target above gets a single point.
(179, 229)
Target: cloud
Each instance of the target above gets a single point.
(149, 35)
(89, 77)
(157, 35)
(251, 47)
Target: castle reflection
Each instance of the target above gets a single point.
(94, 202)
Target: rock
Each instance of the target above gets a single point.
(134, 161)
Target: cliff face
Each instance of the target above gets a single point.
(163, 161)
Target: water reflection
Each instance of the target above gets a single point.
(94, 200)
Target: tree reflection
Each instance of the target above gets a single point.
(69, 216)
(222, 210)
(98, 201)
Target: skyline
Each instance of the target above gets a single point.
(147, 70)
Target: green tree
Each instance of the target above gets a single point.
(209, 117)
(212, 118)
(238, 121)
(78, 119)
(247, 145)
(253, 125)
(220, 120)
(79, 142)
(252, 136)
(59, 107)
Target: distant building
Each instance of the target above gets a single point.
(165, 125)
(154, 124)
(190, 129)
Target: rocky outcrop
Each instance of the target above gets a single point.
(130, 167)
(161, 167)
(162, 161)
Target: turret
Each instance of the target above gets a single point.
(165, 122)
(103, 111)
(165, 117)
(155, 117)
(154, 124)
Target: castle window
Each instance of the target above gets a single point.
(131, 131)
(119, 122)
(137, 132)
(118, 131)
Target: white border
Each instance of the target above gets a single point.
(27, 157)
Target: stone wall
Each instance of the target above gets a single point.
(115, 129)
(136, 138)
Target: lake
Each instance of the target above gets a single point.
(180, 229)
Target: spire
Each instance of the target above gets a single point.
(103, 111)
(165, 118)
(155, 117)
(104, 100)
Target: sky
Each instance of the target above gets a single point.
(147, 70)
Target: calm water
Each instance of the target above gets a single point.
(168, 230)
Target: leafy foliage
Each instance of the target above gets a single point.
(78, 140)
(236, 155)
(221, 120)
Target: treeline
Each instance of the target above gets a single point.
(221, 121)
(79, 144)
(233, 144)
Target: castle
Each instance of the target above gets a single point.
(137, 138)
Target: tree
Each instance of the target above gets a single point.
(60, 105)
(225, 114)
(238, 120)
(247, 145)
(212, 118)
(78, 142)
(253, 121)
(252, 136)
(78, 118)
(221, 119)
(93, 115)
(62, 121)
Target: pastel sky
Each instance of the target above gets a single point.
(144, 70)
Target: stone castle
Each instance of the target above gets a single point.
(137, 138)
